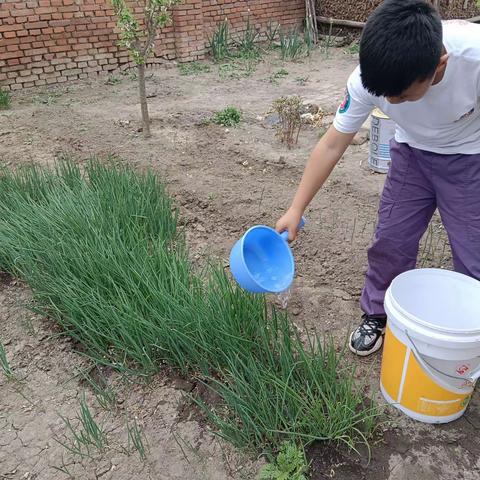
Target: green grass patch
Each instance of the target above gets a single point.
(102, 253)
(5, 99)
(5, 364)
(193, 68)
(228, 117)
(277, 76)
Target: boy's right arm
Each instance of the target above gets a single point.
(323, 159)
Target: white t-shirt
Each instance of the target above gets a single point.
(447, 119)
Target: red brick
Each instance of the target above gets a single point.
(32, 25)
(10, 41)
(8, 55)
(71, 8)
(59, 23)
(26, 76)
(44, 10)
(59, 48)
(36, 51)
(13, 61)
(13, 48)
(21, 13)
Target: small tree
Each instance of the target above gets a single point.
(140, 43)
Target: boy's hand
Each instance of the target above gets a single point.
(290, 221)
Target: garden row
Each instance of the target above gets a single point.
(102, 253)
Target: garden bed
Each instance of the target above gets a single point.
(224, 179)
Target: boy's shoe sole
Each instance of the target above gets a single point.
(365, 353)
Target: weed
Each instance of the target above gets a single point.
(246, 45)
(63, 468)
(104, 394)
(4, 363)
(5, 99)
(328, 42)
(289, 111)
(50, 96)
(228, 117)
(219, 42)
(85, 434)
(193, 68)
(353, 49)
(271, 33)
(237, 69)
(135, 439)
(290, 464)
(302, 81)
(275, 77)
(291, 44)
(113, 80)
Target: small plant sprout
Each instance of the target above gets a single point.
(219, 42)
(271, 33)
(4, 363)
(104, 394)
(353, 48)
(275, 77)
(5, 99)
(85, 432)
(289, 111)
(291, 44)
(228, 117)
(140, 43)
(247, 47)
(193, 68)
(136, 439)
(290, 464)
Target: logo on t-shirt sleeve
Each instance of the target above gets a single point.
(346, 102)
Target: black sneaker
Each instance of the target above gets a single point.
(368, 337)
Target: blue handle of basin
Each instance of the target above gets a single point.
(284, 234)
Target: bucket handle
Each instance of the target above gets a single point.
(469, 381)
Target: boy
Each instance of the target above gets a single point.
(425, 75)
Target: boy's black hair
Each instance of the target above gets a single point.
(401, 43)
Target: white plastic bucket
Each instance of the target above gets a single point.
(382, 130)
(431, 357)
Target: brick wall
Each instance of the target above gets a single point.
(53, 41)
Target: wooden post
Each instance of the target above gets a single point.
(311, 20)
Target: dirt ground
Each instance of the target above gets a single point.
(225, 180)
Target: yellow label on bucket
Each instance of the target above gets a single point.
(411, 389)
(393, 360)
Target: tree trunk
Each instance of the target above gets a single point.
(143, 101)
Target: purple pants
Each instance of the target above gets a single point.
(419, 182)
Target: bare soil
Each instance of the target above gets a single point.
(225, 180)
